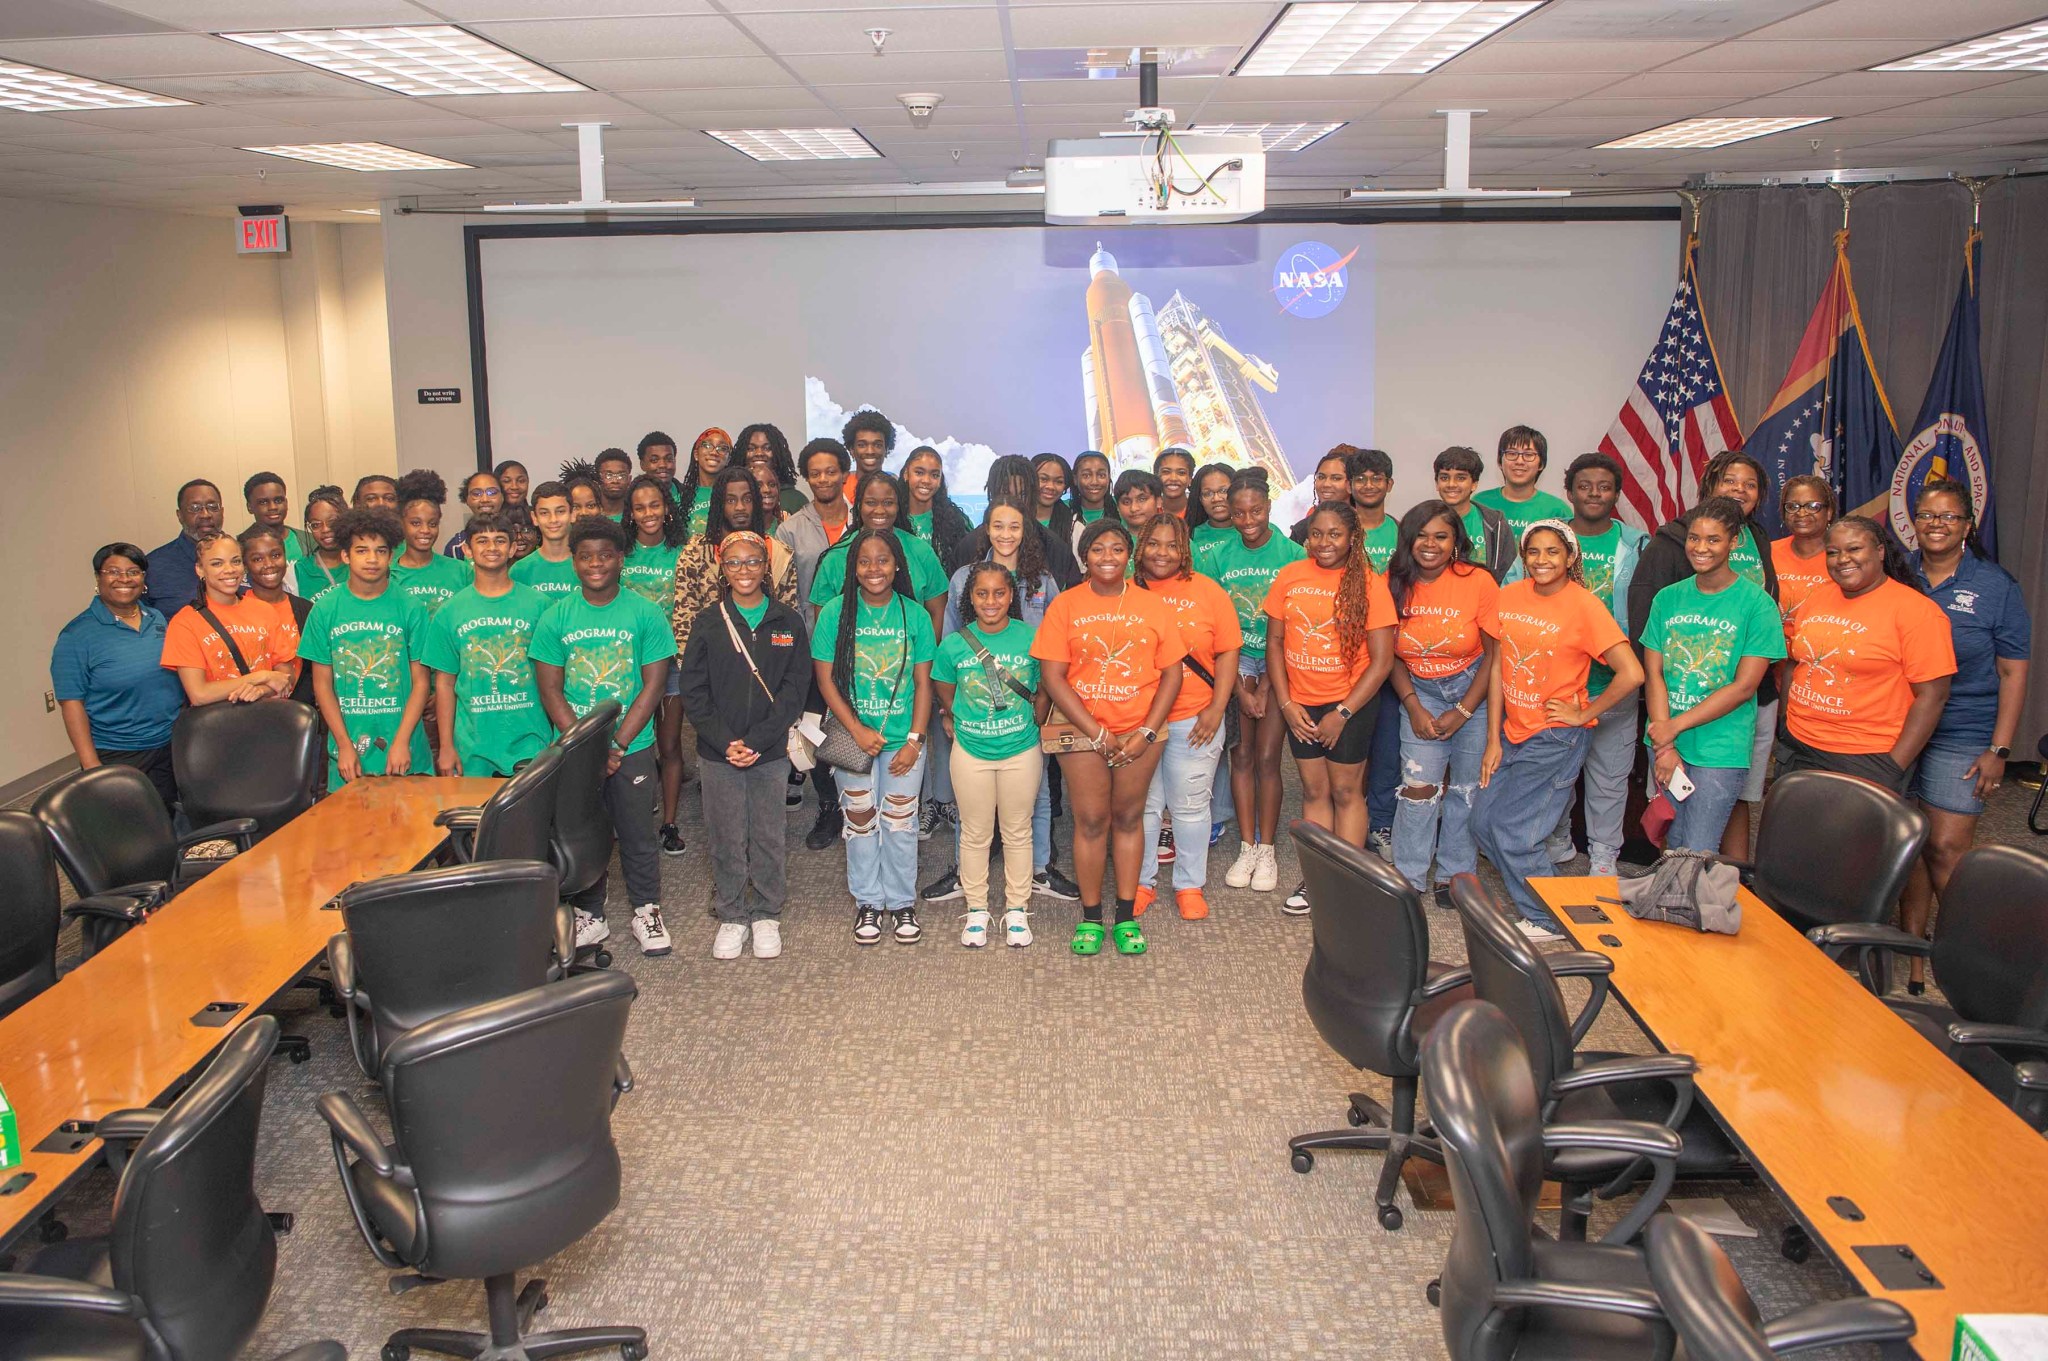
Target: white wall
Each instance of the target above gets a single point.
(137, 350)
(429, 312)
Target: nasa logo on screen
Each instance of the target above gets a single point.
(1309, 279)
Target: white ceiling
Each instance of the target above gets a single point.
(1570, 75)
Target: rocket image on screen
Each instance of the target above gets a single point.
(1171, 378)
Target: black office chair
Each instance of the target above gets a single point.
(1508, 1293)
(186, 1271)
(29, 915)
(1833, 848)
(458, 1197)
(1372, 992)
(258, 761)
(583, 829)
(417, 946)
(516, 823)
(1990, 956)
(317, 1351)
(2041, 794)
(1574, 1087)
(1716, 1320)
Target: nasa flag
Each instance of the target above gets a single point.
(1949, 437)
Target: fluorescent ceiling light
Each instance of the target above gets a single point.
(1706, 132)
(1319, 38)
(2017, 49)
(34, 90)
(798, 144)
(361, 156)
(365, 212)
(420, 59)
(1273, 136)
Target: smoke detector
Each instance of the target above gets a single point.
(920, 107)
(878, 36)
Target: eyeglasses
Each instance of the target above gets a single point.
(202, 508)
(1791, 506)
(1938, 517)
(120, 574)
(1372, 477)
(1519, 454)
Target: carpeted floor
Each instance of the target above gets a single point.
(934, 1152)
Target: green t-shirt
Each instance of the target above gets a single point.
(371, 645)
(753, 614)
(1521, 514)
(921, 525)
(482, 641)
(991, 722)
(927, 577)
(297, 544)
(429, 587)
(1244, 574)
(1744, 558)
(1205, 534)
(601, 649)
(1598, 555)
(888, 643)
(1089, 517)
(313, 578)
(650, 573)
(1703, 638)
(552, 579)
(1475, 530)
(700, 511)
(1379, 543)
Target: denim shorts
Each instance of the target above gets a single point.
(1944, 781)
(1249, 666)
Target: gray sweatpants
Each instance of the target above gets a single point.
(632, 796)
(744, 817)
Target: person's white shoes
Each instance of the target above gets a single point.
(1017, 927)
(731, 938)
(1381, 844)
(1239, 875)
(974, 933)
(1266, 870)
(767, 938)
(1541, 935)
(650, 930)
(591, 929)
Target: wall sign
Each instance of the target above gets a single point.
(266, 234)
(440, 396)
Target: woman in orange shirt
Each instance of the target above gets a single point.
(1193, 740)
(197, 646)
(1110, 659)
(1550, 630)
(1806, 507)
(1331, 625)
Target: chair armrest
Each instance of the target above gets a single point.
(112, 906)
(565, 937)
(1677, 1069)
(466, 816)
(352, 1127)
(1450, 980)
(20, 1291)
(1867, 935)
(130, 1126)
(1603, 1299)
(1972, 1034)
(622, 1076)
(242, 831)
(2031, 1076)
(341, 961)
(1579, 964)
(1653, 1143)
(150, 893)
(1835, 1323)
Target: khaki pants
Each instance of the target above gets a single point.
(988, 793)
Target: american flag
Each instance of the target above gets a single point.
(1677, 417)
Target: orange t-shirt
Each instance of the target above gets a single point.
(1303, 596)
(1797, 577)
(1547, 645)
(834, 533)
(1440, 633)
(1208, 625)
(1854, 663)
(266, 645)
(1115, 646)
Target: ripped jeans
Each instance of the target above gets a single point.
(881, 851)
(1441, 823)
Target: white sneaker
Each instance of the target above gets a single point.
(1541, 935)
(974, 934)
(767, 938)
(1017, 928)
(1239, 875)
(1381, 844)
(1266, 870)
(591, 929)
(650, 930)
(731, 938)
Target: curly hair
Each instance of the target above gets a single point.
(1099, 529)
(1814, 483)
(872, 422)
(600, 527)
(849, 602)
(1352, 603)
(1031, 564)
(422, 484)
(325, 494)
(980, 569)
(1182, 545)
(576, 470)
(351, 525)
(1402, 573)
(673, 525)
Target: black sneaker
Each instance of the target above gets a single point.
(793, 796)
(671, 839)
(825, 830)
(1167, 854)
(1296, 903)
(867, 926)
(908, 932)
(943, 888)
(1053, 884)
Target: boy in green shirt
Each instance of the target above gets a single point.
(1458, 470)
(485, 699)
(363, 640)
(548, 568)
(1523, 455)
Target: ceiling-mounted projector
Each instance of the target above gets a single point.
(1151, 174)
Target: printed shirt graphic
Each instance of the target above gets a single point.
(1547, 644)
(1703, 638)
(1207, 619)
(1475, 530)
(1380, 543)
(1440, 634)
(1598, 556)
(552, 579)
(266, 644)
(888, 642)
(1245, 574)
(650, 573)
(927, 577)
(1304, 594)
(1205, 536)
(482, 641)
(991, 722)
(1115, 647)
(921, 525)
(371, 645)
(430, 587)
(601, 649)
(1797, 577)
(311, 579)
(1521, 514)
(700, 511)
(1854, 663)
(1745, 559)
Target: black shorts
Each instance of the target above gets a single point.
(1354, 744)
(1876, 766)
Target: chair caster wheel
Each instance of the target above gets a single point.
(280, 1221)
(395, 1352)
(1793, 1244)
(634, 1351)
(1303, 1161)
(1353, 1116)
(602, 959)
(1435, 1292)
(1390, 1217)
(540, 1306)
(54, 1231)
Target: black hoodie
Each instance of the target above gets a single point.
(1663, 562)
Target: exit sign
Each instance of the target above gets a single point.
(266, 235)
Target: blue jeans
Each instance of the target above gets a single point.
(1442, 823)
(1182, 781)
(1513, 816)
(1610, 760)
(1703, 816)
(881, 855)
(1383, 769)
(938, 765)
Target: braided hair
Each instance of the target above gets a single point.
(849, 599)
(895, 484)
(716, 525)
(975, 572)
(1352, 603)
(1109, 510)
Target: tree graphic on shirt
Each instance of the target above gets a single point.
(1523, 665)
(1415, 645)
(498, 659)
(1700, 655)
(876, 662)
(1819, 665)
(1599, 576)
(1300, 628)
(371, 661)
(600, 671)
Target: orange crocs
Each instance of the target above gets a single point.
(1193, 906)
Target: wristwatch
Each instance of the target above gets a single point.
(916, 737)
(2002, 753)
(1151, 735)
(1344, 711)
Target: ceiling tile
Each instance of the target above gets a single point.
(1127, 25)
(467, 12)
(22, 19)
(845, 32)
(248, 16)
(982, 93)
(678, 73)
(1646, 20)
(1725, 84)
(1588, 57)
(1936, 25)
(163, 54)
(1451, 83)
(909, 72)
(553, 40)
(680, 103)
(261, 86)
(1915, 84)
(1799, 56)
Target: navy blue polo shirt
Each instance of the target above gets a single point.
(118, 674)
(1988, 620)
(172, 579)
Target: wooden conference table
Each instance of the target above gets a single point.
(1832, 1095)
(118, 1031)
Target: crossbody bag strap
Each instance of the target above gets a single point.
(987, 658)
(732, 631)
(221, 629)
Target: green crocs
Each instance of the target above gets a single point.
(1130, 938)
(1088, 938)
